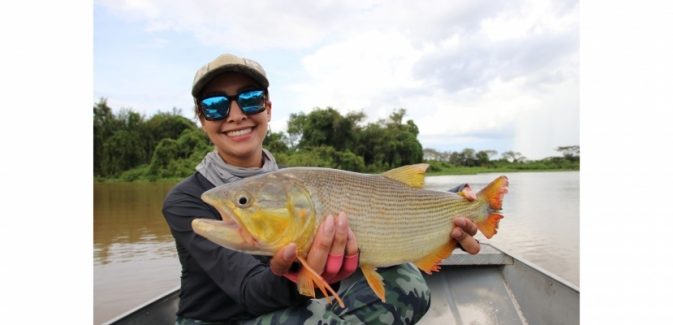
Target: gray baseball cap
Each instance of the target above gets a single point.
(224, 63)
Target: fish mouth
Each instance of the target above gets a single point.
(231, 224)
(211, 197)
(226, 233)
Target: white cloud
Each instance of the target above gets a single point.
(241, 24)
(351, 74)
(464, 69)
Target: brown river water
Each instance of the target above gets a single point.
(135, 258)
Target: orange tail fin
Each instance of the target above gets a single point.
(490, 226)
(308, 277)
(493, 193)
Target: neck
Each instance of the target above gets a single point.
(254, 160)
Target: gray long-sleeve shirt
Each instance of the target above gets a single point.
(219, 284)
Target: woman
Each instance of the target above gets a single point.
(221, 286)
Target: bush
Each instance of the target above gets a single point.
(134, 174)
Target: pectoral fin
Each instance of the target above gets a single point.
(375, 280)
(308, 277)
(430, 262)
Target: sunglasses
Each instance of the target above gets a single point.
(217, 107)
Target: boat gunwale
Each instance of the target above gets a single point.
(140, 307)
(537, 268)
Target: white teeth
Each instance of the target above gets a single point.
(239, 132)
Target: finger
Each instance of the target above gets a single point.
(336, 254)
(341, 235)
(351, 244)
(352, 259)
(468, 242)
(467, 225)
(282, 261)
(317, 254)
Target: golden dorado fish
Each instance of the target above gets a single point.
(394, 219)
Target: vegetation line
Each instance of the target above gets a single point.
(167, 146)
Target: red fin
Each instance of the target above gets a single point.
(490, 226)
(308, 277)
(468, 193)
(375, 280)
(494, 192)
(430, 262)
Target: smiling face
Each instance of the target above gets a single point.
(238, 137)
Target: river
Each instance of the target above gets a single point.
(135, 258)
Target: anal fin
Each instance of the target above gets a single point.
(375, 280)
(430, 262)
(308, 277)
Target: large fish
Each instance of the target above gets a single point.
(394, 219)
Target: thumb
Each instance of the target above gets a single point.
(282, 261)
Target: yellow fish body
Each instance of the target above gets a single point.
(394, 219)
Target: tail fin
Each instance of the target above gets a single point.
(493, 194)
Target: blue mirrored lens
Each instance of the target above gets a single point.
(251, 101)
(215, 107)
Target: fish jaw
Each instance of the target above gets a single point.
(228, 234)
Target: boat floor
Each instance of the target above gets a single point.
(489, 288)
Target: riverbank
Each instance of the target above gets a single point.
(483, 170)
(443, 172)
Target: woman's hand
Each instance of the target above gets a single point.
(334, 252)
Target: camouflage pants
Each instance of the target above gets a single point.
(407, 300)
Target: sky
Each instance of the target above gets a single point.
(486, 75)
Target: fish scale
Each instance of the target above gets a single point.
(385, 215)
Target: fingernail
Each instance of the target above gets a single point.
(288, 254)
(350, 236)
(456, 233)
(460, 222)
(341, 224)
(329, 225)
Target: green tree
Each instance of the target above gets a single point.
(104, 126)
(431, 154)
(116, 151)
(483, 157)
(122, 151)
(166, 151)
(514, 156)
(570, 152)
(323, 127)
(276, 142)
(389, 143)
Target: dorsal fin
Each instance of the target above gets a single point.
(412, 175)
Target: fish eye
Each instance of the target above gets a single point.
(242, 200)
